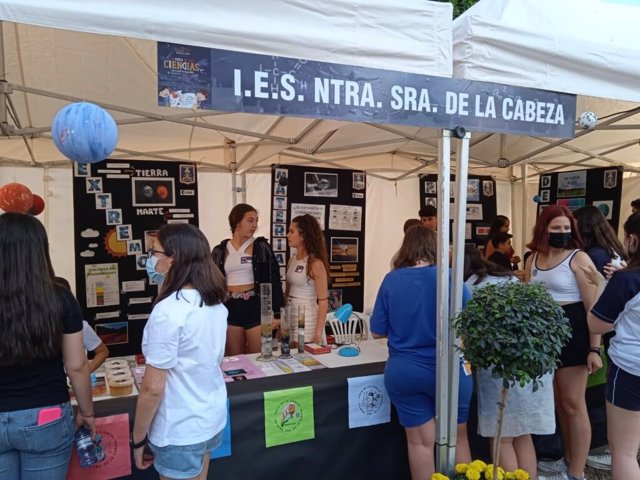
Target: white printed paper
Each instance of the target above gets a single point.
(102, 285)
(369, 402)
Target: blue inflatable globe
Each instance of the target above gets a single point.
(84, 132)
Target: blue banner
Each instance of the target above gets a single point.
(211, 79)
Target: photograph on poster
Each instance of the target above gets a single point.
(153, 192)
(487, 188)
(280, 258)
(81, 169)
(279, 216)
(572, 184)
(94, 184)
(430, 188)
(103, 201)
(281, 173)
(134, 247)
(482, 231)
(150, 239)
(606, 207)
(344, 249)
(358, 181)
(113, 333)
(545, 195)
(474, 211)
(610, 178)
(545, 181)
(279, 189)
(280, 203)
(335, 299)
(315, 210)
(123, 232)
(279, 244)
(283, 273)
(572, 204)
(279, 230)
(320, 184)
(473, 190)
(433, 201)
(114, 216)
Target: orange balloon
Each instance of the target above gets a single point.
(15, 197)
(163, 192)
(38, 205)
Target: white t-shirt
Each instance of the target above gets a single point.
(187, 341)
(90, 340)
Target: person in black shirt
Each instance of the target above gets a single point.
(501, 255)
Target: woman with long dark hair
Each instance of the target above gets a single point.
(557, 262)
(308, 275)
(246, 262)
(527, 412)
(405, 312)
(181, 408)
(41, 327)
(599, 238)
(500, 223)
(616, 306)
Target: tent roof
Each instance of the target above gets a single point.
(586, 47)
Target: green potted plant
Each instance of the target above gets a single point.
(516, 331)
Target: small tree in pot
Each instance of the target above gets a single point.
(516, 331)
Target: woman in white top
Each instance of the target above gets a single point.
(557, 262)
(182, 405)
(307, 275)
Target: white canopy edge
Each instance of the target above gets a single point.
(587, 47)
(412, 35)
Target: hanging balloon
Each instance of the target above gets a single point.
(15, 197)
(84, 132)
(38, 205)
(536, 198)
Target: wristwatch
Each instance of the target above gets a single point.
(140, 444)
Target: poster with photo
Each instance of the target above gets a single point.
(336, 198)
(572, 184)
(118, 208)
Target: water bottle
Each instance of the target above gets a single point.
(89, 452)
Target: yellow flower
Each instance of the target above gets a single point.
(520, 474)
(461, 467)
(473, 474)
(439, 476)
(478, 465)
(488, 473)
(509, 476)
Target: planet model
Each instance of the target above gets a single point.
(163, 192)
(147, 191)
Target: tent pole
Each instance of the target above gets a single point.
(457, 281)
(444, 453)
(230, 159)
(3, 100)
(523, 176)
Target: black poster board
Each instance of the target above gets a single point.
(118, 207)
(601, 187)
(481, 204)
(337, 199)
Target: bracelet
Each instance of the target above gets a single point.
(87, 415)
(594, 350)
(140, 444)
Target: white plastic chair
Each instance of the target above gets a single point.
(347, 332)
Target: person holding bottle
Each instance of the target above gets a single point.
(41, 326)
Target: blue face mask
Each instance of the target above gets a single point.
(154, 275)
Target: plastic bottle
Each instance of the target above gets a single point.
(88, 452)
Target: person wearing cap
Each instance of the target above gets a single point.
(428, 216)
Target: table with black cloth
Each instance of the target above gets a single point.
(377, 452)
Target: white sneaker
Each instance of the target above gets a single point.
(551, 467)
(553, 476)
(600, 461)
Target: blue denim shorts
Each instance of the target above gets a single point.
(35, 452)
(183, 461)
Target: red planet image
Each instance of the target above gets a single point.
(163, 192)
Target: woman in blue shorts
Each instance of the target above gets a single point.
(182, 405)
(617, 307)
(405, 312)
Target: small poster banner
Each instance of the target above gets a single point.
(369, 402)
(288, 416)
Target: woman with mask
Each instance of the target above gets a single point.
(246, 262)
(557, 262)
(182, 405)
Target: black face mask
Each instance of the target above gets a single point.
(559, 239)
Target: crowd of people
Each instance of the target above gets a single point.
(208, 307)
